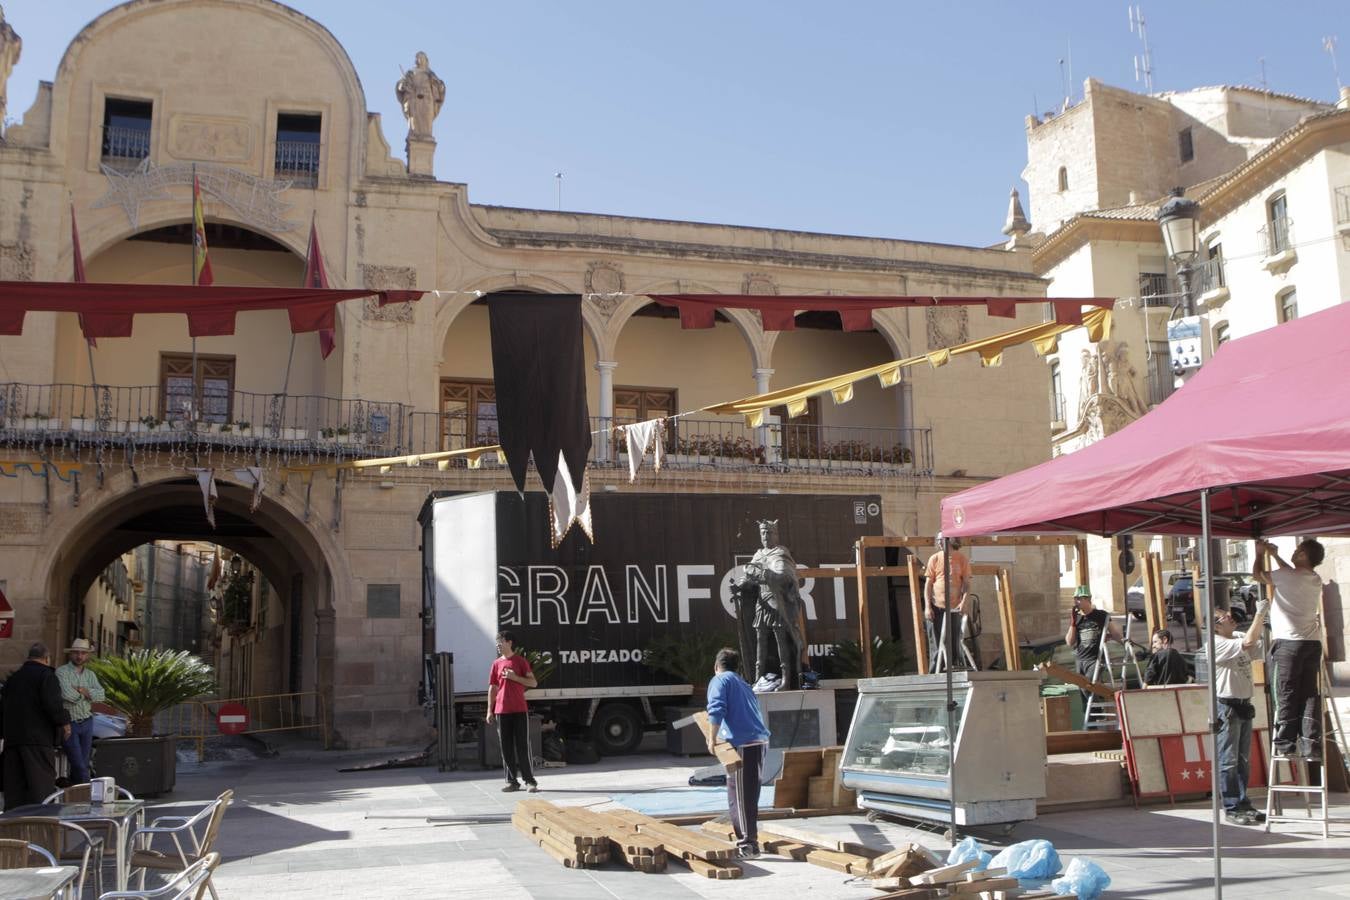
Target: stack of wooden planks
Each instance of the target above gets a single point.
(849, 858)
(578, 837)
(810, 780)
(958, 880)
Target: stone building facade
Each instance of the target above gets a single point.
(272, 117)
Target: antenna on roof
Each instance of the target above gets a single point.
(1064, 85)
(559, 176)
(1265, 86)
(1329, 45)
(1143, 63)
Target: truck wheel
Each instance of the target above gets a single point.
(616, 729)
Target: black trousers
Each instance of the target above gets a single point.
(954, 623)
(1297, 666)
(743, 795)
(513, 732)
(29, 775)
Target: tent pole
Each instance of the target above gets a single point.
(952, 644)
(1216, 794)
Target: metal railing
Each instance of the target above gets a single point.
(1343, 205)
(1277, 235)
(125, 146)
(1057, 408)
(1157, 289)
(722, 443)
(1208, 276)
(195, 720)
(1161, 381)
(82, 412)
(298, 161)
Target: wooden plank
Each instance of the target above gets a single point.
(1081, 741)
(678, 841)
(1080, 561)
(710, 869)
(726, 754)
(820, 790)
(864, 624)
(1014, 661)
(982, 885)
(906, 861)
(1104, 691)
(916, 603)
(945, 874)
(992, 540)
(563, 819)
(848, 863)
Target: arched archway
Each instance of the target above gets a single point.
(293, 653)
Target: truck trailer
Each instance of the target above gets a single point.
(660, 569)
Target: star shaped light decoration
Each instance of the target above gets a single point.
(130, 189)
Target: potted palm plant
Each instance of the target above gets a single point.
(140, 685)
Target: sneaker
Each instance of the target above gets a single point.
(510, 787)
(749, 851)
(1240, 817)
(532, 787)
(1285, 750)
(1252, 812)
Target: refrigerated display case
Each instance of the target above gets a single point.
(899, 755)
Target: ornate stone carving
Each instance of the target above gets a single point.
(17, 262)
(421, 95)
(758, 284)
(388, 278)
(253, 200)
(604, 278)
(948, 326)
(604, 304)
(212, 138)
(1109, 396)
(10, 47)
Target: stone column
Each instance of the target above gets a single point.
(604, 447)
(421, 156)
(762, 377)
(325, 628)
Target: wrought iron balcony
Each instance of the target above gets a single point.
(1156, 289)
(1208, 276)
(298, 161)
(1343, 205)
(1277, 235)
(125, 147)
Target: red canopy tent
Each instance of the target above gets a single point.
(107, 310)
(1257, 443)
(1264, 427)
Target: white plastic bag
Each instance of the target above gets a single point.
(106, 726)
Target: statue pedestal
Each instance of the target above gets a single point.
(421, 156)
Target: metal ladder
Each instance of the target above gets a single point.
(1098, 713)
(940, 664)
(1300, 771)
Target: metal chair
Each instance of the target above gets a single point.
(188, 884)
(15, 854)
(69, 842)
(80, 793)
(199, 831)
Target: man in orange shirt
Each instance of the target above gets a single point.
(935, 600)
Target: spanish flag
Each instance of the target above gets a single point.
(316, 276)
(201, 262)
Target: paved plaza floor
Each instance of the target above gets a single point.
(301, 828)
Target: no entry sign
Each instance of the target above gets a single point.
(232, 718)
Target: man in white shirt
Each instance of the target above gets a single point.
(1233, 684)
(1296, 652)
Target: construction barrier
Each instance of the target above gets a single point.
(196, 720)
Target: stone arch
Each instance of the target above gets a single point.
(889, 323)
(90, 538)
(125, 13)
(746, 322)
(104, 236)
(450, 305)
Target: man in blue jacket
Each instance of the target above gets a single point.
(733, 712)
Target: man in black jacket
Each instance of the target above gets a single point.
(1167, 665)
(34, 722)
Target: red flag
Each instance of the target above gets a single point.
(78, 267)
(317, 277)
(201, 262)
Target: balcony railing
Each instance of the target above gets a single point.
(723, 444)
(299, 162)
(1277, 235)
(125, 147)
(1161, 381)
(1057, 408)
(1208, 276)
(1157, 289)
(1343, 205)
(89, 414)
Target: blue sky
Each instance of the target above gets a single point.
(892, 119)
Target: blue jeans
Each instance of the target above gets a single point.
(1234, 742)
(79, 746)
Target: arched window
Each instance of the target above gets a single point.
(1221, 334)
(1063, 179)
(1287, 305)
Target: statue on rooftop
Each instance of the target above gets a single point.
(10, 47)
(421, 93)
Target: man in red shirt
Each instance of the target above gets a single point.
(510, 677)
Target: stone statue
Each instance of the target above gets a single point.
(778, 613)
(1088, 386)
(1126, 378)
(10, 46)
(421, 93)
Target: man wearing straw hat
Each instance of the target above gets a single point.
(79, 691)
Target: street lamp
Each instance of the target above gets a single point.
(1179, 221)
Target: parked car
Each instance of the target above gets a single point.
(1242, 592)
(1134, 600)
(1178, 599)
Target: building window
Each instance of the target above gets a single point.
(1186, 145)
(297, 150)
(1288, 303)
(1056, 394)
(1278, 225)
(1063, 179)
(1155, 289)
(801, 435)
(1221, 334)
(468, 414)
(1211, 270)
(1161, 380)
(638, 404)
(126, 131)
(204, 395)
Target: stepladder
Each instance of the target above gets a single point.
(1098, 712)
(969, 633)
(1302, 774)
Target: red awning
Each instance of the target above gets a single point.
(777, 311)
(1266, 422)
(107, 310)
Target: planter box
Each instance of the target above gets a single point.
(83, 425)
(33, 423)
(146, 766)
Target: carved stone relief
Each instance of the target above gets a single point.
(948, 326)
(758, 285)
(211, 138)
(604, 278)
(1109, 395)
(17, 262)
(388, 278)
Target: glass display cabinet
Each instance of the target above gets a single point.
(900, 756)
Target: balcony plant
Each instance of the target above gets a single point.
(243, 427)
(80, 423)
(140, 685)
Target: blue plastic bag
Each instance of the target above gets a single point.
(1028, 859)
(1084, 878)
(967, 850)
